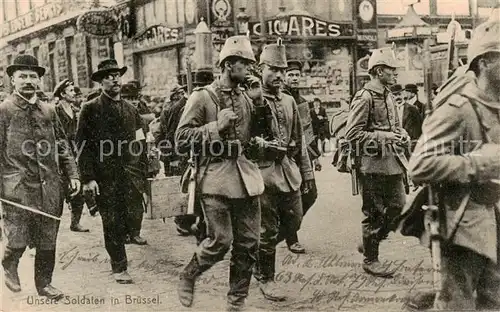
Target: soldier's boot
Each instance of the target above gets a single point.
(240, 275)
(361, 248)
(265, 275)
(45, 261)
(371, 264)
(422, 300)
(10, 263)
(76, 215)
(185, 288)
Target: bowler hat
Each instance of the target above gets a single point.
(397, 88)
(274, 55)
(106, 67)
(61, 86)
(294, 65)
(25, 61)
(411, 88)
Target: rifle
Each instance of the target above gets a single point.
(435, 213)
(437, 229)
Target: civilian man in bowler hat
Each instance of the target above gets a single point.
(67, 112)
(408, 115)
(112, 161)
(286, 171)
(34, 152)
(412, 99)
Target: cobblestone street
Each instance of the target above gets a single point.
(329, 277)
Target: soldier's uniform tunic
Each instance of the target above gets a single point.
(229, 184)
(444, 154)
(281, 201)
(381, 165)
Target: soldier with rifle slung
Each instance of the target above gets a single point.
(217, 121)
(460, 151)
(379, 143)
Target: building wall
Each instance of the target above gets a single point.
(47, 30)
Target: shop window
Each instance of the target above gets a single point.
(159, 82)
(2, 17)
(448, 7)
(71, 61)
(52, 65)
(150, 14)
(36, 53)
(10, 10)
(326, 71)
(180, 10)
(37, 3)
(171, 13)
(141, 23)
(392, 7)
(23, 7)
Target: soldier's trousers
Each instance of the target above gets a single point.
(115, 200)
(383, 200)
(281, 214)
(466, 272)
(233, 222)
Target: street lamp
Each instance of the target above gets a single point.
(282, 19)
(242, 19)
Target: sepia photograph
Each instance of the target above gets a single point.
(249, 155)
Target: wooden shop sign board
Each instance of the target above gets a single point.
(164, 198)
(98, 23)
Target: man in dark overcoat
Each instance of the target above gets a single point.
(34, 160)
(112, 162)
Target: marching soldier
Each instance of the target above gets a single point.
(283, 168)
(374, 131)
(217, 122)
(293, 73)
(459, 150)
(112, 163)
(67, 112)
(30, 164)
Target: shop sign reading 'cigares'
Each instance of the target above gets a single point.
(157, 36)
(303, 26)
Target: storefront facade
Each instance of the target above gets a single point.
(49, 32)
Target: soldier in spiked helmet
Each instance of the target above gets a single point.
(217, 123)
(284, 168)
